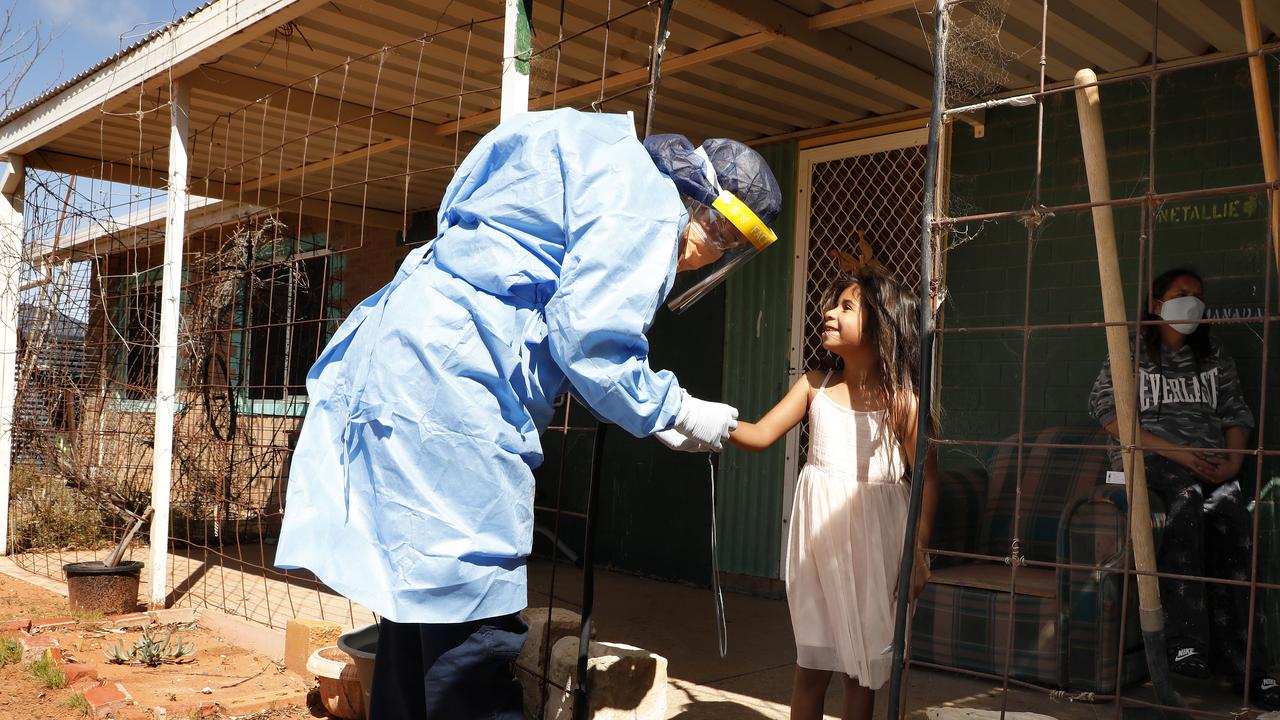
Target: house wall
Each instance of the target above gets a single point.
(1205, 137)
(115, 434)
(757, 356)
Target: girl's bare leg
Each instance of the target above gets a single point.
(809, 693)
(859, 701)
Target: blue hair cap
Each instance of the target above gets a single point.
(738, 168)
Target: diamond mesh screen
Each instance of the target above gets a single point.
(862, 208)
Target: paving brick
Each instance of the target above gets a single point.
(174, 616)
(77, 672)
(35, 646)
(53, 623)
(128, 621)
(185, 711)
(266, 700)
(107, 698)
(15, 625)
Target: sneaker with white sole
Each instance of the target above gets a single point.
(1189, 662)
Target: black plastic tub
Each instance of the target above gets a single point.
(92, 586)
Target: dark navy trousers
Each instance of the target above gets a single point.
(458, 671)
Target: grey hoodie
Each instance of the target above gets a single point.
(1178, 401)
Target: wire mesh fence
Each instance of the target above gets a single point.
(304, 199)
(306, 196)
(1034, 588)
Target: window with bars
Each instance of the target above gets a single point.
(138, 330)
(291, 313)
(273, 340)
(286, 327)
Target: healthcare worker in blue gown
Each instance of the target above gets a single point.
(411, 486)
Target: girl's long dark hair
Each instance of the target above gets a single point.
(1199, 342)
(891, 315)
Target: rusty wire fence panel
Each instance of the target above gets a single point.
(305, 198)
(1034, 590)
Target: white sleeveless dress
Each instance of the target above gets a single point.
(845, 542)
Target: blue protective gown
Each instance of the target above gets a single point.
(411, 487)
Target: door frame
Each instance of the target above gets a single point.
(805, 162)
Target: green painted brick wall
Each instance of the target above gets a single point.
(1205, 137)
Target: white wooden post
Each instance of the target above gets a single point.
(12, 231)
(516, 44)
(167, 367)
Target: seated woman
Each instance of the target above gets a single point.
(1189, 397)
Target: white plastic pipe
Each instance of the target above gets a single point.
(167, 366)
(11, 234)
(516, 43)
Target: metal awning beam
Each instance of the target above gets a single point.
(619, 81)
(211, 32)
(282, 202)
(863, 63)
(324, 110)
(860, 12)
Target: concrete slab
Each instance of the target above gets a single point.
(251, 606)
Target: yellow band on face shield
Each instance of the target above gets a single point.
(742, 217)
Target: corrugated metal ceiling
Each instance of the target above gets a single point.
(396, 75)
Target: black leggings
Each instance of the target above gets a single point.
(445, 671)
(1208, 534)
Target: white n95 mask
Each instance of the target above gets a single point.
(1186, 307)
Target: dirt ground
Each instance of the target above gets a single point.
(234, 678)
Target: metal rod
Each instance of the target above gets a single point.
(655, 64)
(582, 690)
(923, 415)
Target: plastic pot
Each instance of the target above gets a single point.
(109, 590)
(340, 690)
(362, 646)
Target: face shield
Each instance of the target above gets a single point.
(714, 247)
(731, 197)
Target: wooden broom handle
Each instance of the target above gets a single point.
(1113, 306)
(1266, 123)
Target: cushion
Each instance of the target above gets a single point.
(1052, 478)
(1040, 582)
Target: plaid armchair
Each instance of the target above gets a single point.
(1066, 623)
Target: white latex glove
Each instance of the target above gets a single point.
(677, 440)
(708, 422)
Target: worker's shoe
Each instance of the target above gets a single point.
(1189, 662)
(1264, 692)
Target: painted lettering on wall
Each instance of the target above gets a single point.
(1199, 211)
(1232, 312)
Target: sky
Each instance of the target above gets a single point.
(81, 34)
(86, 32)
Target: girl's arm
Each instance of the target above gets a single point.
(929, 504)
(785, 415)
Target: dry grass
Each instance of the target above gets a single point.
(47, 672)
(10, 651)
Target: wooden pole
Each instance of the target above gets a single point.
(515, 60)
(1150, 612)
(12, 233)
(1262, 109)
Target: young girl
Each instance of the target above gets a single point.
(850, 508)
